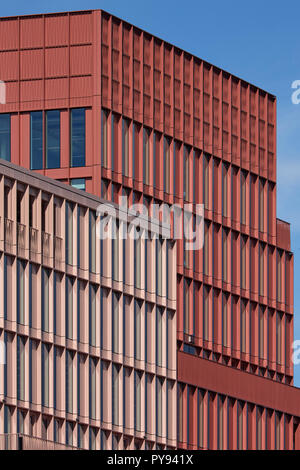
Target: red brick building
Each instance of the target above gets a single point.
(104, 106)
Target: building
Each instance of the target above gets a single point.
(90, 346)
(99, 104)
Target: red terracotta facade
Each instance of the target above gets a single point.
(211, 139)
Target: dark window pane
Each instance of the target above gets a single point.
(36, 140)
(5, 136)
(53, 139)
(78, 137)
(78, 183)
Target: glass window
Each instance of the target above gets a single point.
(115, 394)
(137, 329)
(78, 137)
(92, 300)
(78, 183)
(243, 196)
(125, 147)
(69, 307)
(186, 174)
(36, 140)
(104, 136)
(53, 139)
(45, 374)
(146, 156)
(93, 367)
(5, 136)
(45, 299)
(137, 396)
(21, 292)
(69, 382)
(166, 165)
(21, 367)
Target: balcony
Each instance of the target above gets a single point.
(9, 232)
(33, 240)
(23, 442)
(21, 238)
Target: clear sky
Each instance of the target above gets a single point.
(258, 41)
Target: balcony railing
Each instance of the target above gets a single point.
(46, 244)
(24, 442)
(33, 239)
(21, 236)
(8, 231)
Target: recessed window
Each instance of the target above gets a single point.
(5, 136)
(78, 137)
(78, 183)
(53, 139)
(45, 139)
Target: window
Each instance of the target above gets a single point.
(221, 422)
(159, 336)
(261, 268)
(279, 275)
(240, 420)
(69, 433)
(45, 374)
(21, 367)
(186, 306)
(225, 318)
(159, 406)
(92, 323)
(115, 394)
(243, 261)
(243, 196)
(167, 144)
(243, 326)
(225, 236)
(69, 381)
(92, 241)
(69, 307)
(201, 395)
(21, 292)
(125, 147)
(278, 338)
(206, 248)
(92, 397)
(115, 322)
(115, 251)
(69, 232)
(5, 136)
(261, 332)
(225, 190)
(261, 204)
(137, 329)
(36, 140)
(186, 174)
(259, 427)
(137, 400)
(138, 261)
(78, 183)
(104, 138)
(45, 299)
(206, 181)
(159, 266)
(77, 137)
(53, 139)
(146, 156)
(206, 313)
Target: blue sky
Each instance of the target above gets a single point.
(258, 41)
